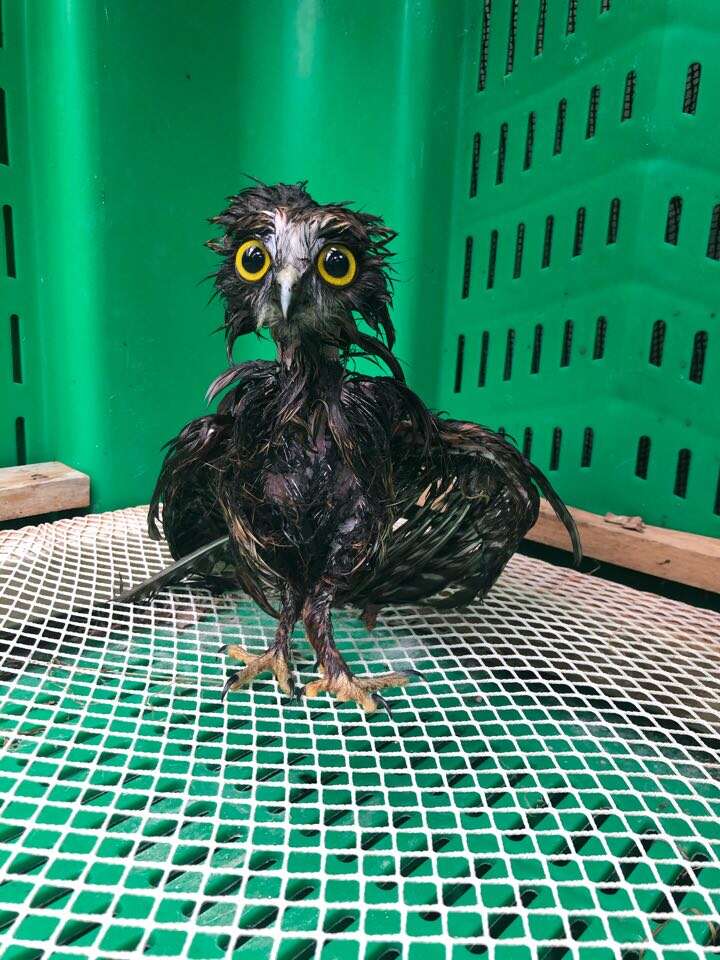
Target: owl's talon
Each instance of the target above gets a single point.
(382, 702)
(228, 685)
(273, 659)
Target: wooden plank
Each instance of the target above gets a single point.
(41, 488)
(671, 554)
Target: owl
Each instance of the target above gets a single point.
(315, 486)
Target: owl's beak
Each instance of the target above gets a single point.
(286, 280)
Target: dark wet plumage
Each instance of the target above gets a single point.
(332, 487)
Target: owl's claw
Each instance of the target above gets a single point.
(382, 702)
(295, 697)
(228, 685)
(361, 690)
(273, 659)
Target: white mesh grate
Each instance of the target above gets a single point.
(552, 790)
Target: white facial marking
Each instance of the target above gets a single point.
(286, 279)
(292, 240)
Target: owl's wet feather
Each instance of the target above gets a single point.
(333, 487)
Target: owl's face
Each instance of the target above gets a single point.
(300, 269)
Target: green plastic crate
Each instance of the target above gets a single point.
(594, 346)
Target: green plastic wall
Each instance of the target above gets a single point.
(642, 160)
(128, 123)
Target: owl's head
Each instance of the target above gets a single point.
(304, 271)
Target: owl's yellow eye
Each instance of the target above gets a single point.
(252, 260)
(337, 265)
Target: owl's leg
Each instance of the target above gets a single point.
(275, 659)
(335, 675)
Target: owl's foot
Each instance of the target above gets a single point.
(362, 690)
(275, 659)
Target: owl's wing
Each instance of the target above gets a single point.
(188, 486)
(194, 523)
(463, 505)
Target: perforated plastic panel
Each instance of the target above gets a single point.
(582, 296)
(551, 790)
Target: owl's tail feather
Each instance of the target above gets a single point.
(561, 511)
(172, 574)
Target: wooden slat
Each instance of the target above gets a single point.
(41, 488)
(671, 554)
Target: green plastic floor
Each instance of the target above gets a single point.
(552, 790)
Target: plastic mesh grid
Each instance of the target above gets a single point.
(552, 790)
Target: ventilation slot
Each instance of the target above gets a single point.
(20, 444)
(716, 506)
(628, 96)
(560, 126)
(519, 247)
(482, 73)
(547, 241)
(467, 268)
(643, 458)
(527, 442)
(587, 447)
(492, 258)
(571, 16)
(502, 147)
(555, 450)
(681, 473)
(613, 220)
(475, 165)
(600, 335)
(529, 140)
(692, 88)
(579, 232)
(509, 351)
(537, 349)
(540, 31)
(713, 247)
(459, 363)
(3, 129)
(484, 346)
(9, 240)
(697, 364)
(512, 35)
(657, 343)
(15, 348)
(566, 352)
(672, 223)
(592, 112)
